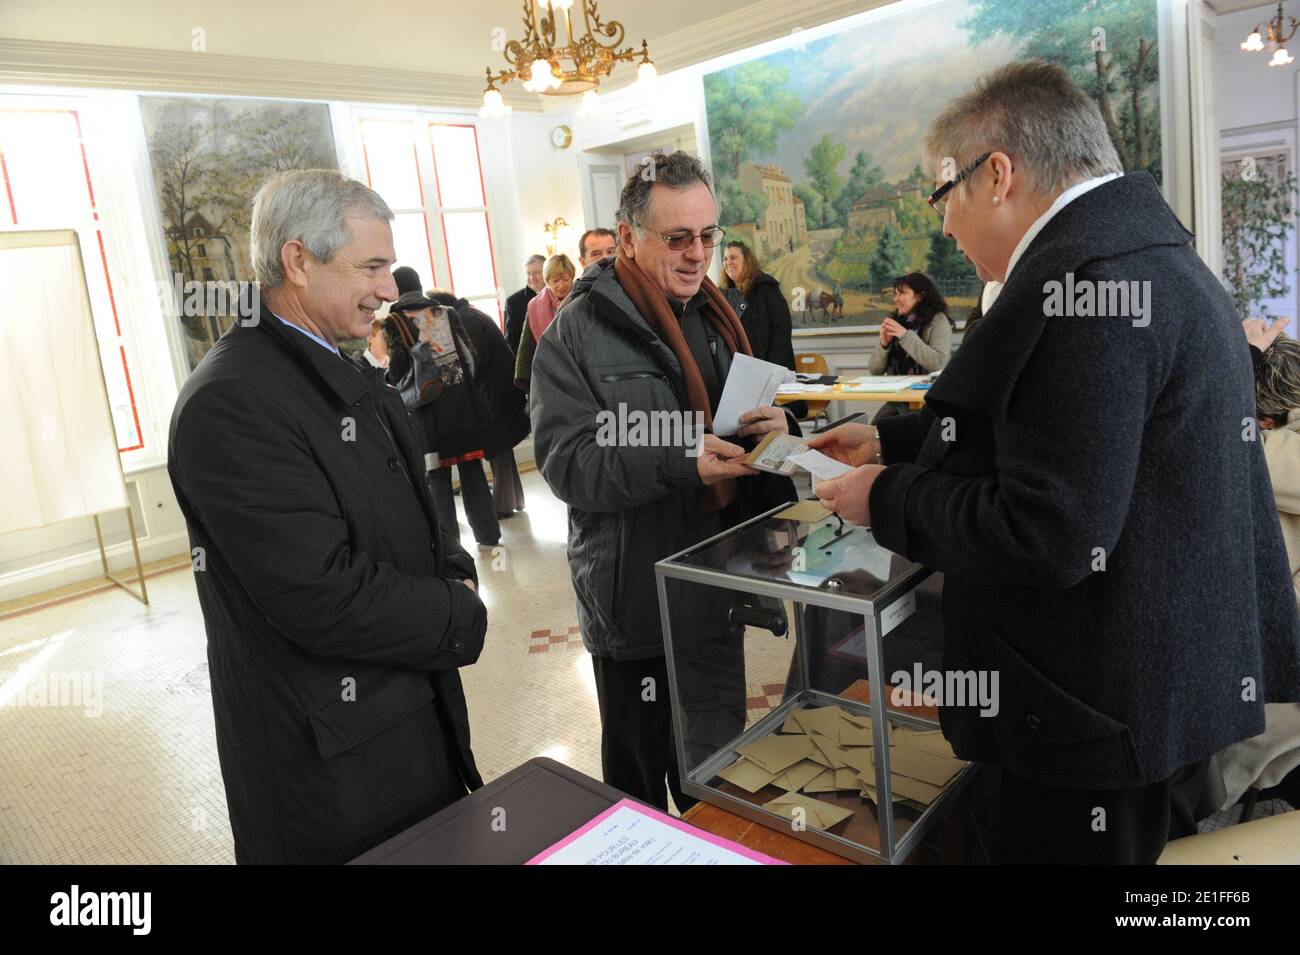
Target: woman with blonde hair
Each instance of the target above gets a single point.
(558, 274)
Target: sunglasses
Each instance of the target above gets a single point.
(679, 241)
(939, 198)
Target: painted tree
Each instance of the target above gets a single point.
(180, 153)
(747, 107)
(863, 177)
(890, 258)
(948, 267)
(1258, 215)
(1108, 47)
(740, 204)
(814, 206)
(822, 166)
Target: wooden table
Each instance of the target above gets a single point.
(912, 397)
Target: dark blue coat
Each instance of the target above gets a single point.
(1074, 439)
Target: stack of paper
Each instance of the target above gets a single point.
(828, 749)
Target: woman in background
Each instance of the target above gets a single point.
(917, 338)
(1271, 760)
(558, 274)
(760, 304)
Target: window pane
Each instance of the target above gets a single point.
(411, 242)
(491, 307)
(390, 162)
(455, 157)
(42, 156)
(469, 252)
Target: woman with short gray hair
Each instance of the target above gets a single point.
(1074, 465)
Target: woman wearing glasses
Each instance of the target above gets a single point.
(1090, 481)
(917, 338)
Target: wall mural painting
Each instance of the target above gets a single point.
(816, 149)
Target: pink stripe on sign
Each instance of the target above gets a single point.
(661, 817)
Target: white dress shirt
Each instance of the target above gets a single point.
(1063, 200)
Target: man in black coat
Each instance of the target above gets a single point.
(336, 613)
(517, 304)
(1088, 478)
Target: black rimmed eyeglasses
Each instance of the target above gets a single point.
(939, 198)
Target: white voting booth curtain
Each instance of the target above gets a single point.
(58, 449)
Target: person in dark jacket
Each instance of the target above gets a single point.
(762, 307)
(647, 332)
(337, 614)
(452, 427)
(505, 420)
(517, 303)
(1085, 477)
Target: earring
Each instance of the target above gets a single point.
(996, 200)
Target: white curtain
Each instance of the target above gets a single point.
(58, 449)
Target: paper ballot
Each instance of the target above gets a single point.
(819, 465)
(751, 383)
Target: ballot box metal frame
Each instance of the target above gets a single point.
(892, 850)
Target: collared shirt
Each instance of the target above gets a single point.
(1039, 224)
(374, 362)
(316, 338)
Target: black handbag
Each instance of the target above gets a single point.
(426, 377)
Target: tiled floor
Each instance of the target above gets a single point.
(107, 752)
(125, 769)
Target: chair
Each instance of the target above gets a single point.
(812, 363)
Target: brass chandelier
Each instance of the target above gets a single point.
(1279, 34)
(575, 67)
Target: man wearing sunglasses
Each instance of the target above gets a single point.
(648, 333)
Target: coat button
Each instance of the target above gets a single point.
(454, 644)
(393, 465)
(1034, 722)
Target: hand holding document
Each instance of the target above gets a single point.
(751, 383)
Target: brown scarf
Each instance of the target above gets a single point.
(652, 304)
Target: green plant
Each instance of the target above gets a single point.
(1258, 215)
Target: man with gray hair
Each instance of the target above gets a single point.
(647, 335)
(336, 613)
(517, 303)
(1088, 476)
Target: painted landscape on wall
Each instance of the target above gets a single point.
(209, 156)
(816, 149)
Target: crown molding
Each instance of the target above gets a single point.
(758, 23)
(52, 63)
(46, 63)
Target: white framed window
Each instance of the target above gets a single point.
(51, 177)
(429, 169)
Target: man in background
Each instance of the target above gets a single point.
(596, 244)
(517, 304)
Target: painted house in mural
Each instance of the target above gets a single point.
(881, 205)
(783, 225)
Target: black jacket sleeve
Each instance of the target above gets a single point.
(902, 435)
(780, 327)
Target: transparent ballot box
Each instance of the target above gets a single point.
(782, 638)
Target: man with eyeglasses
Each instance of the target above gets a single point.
(647, 335)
